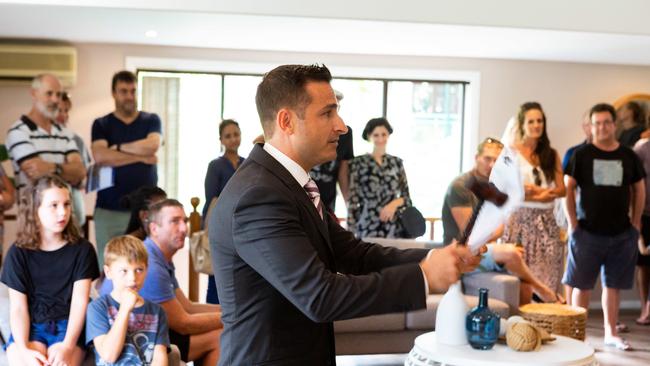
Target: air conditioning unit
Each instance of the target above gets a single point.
(24, 61)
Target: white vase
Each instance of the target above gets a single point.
(450, 317)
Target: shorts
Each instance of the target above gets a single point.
(613, 256)
(182, 341)
(488, 264)
(644, 260)
(48, 333)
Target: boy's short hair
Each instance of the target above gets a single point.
(125, 246)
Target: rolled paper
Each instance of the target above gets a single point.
(503, 327)
(506, 178)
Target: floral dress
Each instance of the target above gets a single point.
(373, 186)
(534, 226)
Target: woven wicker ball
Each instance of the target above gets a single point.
(523, 337)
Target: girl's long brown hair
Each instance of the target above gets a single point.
(31, 197)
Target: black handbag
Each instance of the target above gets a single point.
(412, 222)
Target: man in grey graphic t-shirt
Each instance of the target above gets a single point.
(604, 238)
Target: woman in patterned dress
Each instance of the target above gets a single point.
(533, 224)
(378, 187)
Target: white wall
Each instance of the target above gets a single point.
(565, 90)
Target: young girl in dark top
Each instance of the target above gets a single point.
(48, 272)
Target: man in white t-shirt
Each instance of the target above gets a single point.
(38, 146)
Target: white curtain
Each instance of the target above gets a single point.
(160, 95)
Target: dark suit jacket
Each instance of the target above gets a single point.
(284, 275)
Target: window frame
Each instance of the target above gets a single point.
(471, 81)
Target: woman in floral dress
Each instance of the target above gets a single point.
(378, 187)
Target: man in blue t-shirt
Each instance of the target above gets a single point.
(124, 328)
(126, 140)
(194, 328)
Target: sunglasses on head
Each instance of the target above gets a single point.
(491, 140)
(537, 176)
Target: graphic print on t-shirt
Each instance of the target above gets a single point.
(608, 172)
(141, 335)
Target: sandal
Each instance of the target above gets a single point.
(622, 328)
(618, 342)
(644, 322)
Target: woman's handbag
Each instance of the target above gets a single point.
(412, 222)
(200, 245)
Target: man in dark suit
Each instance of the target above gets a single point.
(284, 268)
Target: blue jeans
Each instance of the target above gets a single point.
(212, 297)
(48, 333)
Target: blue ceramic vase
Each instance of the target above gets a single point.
(482, 324)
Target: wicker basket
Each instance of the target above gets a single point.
(558, 319)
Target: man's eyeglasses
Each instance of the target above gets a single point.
(537, 176)
(607, 122)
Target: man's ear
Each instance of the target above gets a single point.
(285, 120)
(151, 226)
(142, 214)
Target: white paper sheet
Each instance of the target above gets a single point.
(99, 177)
(505, 176)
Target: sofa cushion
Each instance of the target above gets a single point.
(502, 286)
(373, 323)
(426, 319)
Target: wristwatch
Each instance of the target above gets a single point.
(58, 169)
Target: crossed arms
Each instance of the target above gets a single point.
(139, 151)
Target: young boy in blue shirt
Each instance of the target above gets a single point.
(124, 328)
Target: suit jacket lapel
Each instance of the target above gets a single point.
(262, 157)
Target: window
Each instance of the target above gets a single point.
(190, 134)
(239, 104)
(427, 117)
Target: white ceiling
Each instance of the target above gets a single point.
(553, 30)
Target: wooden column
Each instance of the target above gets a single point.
(195, 225)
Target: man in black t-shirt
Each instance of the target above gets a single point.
(327, 174)
(604, 237)
(127, 140)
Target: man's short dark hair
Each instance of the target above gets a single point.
(284, 87)
(153, 214)
(123, 76)
(603, 107)
(374, 123)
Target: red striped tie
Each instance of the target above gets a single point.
(314, 194)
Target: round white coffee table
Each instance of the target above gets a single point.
(563, 351)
